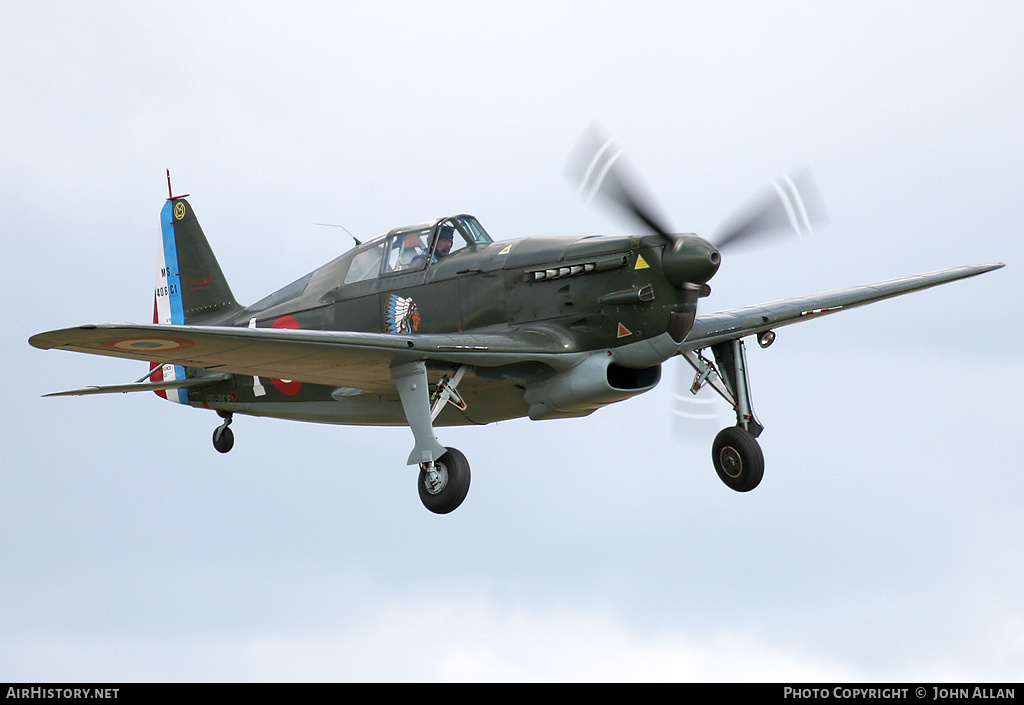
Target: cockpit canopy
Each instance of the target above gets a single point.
(415, 247)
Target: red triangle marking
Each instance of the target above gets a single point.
(623, 331)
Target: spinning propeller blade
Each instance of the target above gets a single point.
(791, 204)
(598, 165)
(696, 417)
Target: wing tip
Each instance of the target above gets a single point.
(983, 268)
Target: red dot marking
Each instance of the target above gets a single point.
(286, 386)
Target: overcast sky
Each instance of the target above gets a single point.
(885, 540)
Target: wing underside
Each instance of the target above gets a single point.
(334, 358)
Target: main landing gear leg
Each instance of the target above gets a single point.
(444, 472)
(223, 438)
(736, 453)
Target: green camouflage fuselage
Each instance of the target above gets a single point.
(590, 293)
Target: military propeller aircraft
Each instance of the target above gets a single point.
(436, 325)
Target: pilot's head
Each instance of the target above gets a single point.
(444, 242)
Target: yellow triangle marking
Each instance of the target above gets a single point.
(641, 263)
(506, 250)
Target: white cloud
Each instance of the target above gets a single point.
(423, 639)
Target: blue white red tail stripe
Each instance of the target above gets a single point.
(168, 308)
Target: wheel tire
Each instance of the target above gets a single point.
(223, 439)
(451, 486)
(738, 459)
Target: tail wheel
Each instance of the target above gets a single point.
(223, 439)
(444, 485)
(738, 459)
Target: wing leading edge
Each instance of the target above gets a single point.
(364, 360)
(713, 328)
(338, 358)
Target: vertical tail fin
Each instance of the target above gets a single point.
(190, 287)
(195, 291)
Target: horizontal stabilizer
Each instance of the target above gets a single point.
(145, 386)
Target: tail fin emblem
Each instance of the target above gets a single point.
(179, 210)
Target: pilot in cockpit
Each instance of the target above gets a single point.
(444, 242)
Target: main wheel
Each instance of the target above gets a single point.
(738, 459)
(223, 439)
(443, 488)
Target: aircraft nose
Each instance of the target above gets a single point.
(690, 260)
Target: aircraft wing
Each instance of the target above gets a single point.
(338, 358)
(364, 360)
(722, 326)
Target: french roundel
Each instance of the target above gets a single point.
(147, 344)
(286, 386)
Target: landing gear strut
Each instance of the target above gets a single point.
(735, 453)
(223, 438)
(444, 472)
